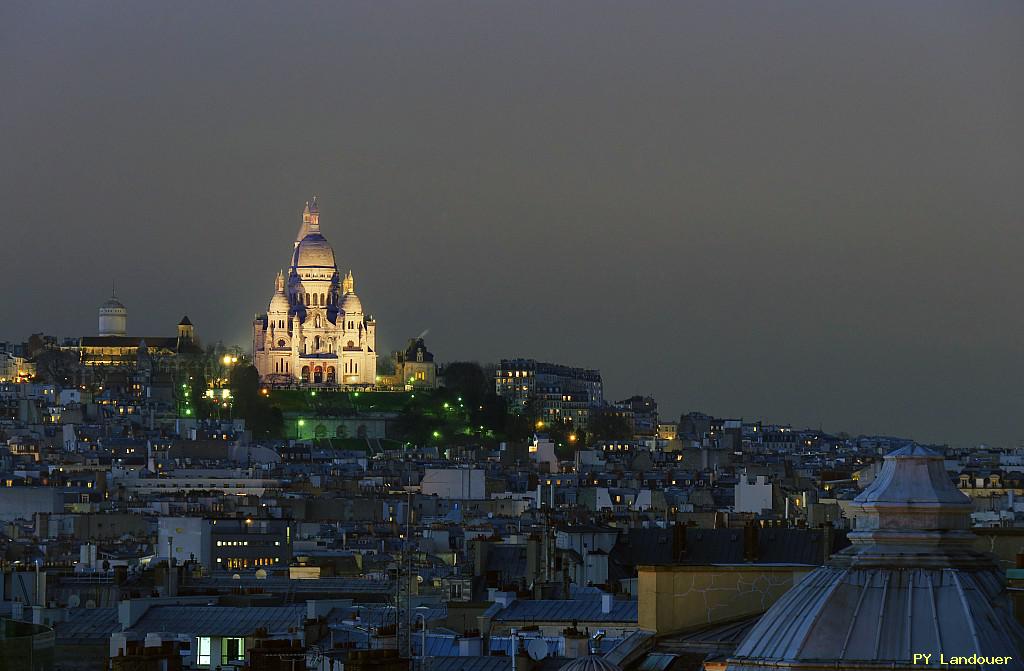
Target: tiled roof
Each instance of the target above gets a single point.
(568, 610)
(88, 624)
(220, 620)
(470, 663)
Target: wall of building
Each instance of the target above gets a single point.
(454, 483)
(22, 503)
(677, 597)
(753, 495)
(26, 647)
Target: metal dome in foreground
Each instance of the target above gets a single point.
(590, 663)
(910, 584)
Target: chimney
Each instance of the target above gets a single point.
(678, 542)
(607, 600)
(827, 540)
(750, 545)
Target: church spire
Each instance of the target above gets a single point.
(313, 212)
(279, 284)
(310, 221)
(348, 285)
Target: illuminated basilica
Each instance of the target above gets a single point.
(315, 331)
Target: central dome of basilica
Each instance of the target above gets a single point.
(313, 251)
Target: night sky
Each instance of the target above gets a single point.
(796, 211)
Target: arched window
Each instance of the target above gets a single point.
(307, 298)
(330, 374)
(318, 375)
(316, 343)
(323, 299)
(282, 343)
(305, 373)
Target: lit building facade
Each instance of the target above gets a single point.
(559, 393)
(415, 367)
(315, 331)
(114, 348)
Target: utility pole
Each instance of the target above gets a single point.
(404, 589)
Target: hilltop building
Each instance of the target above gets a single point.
(561, 393)
(112, 347)
(315, 331)
(415, 367)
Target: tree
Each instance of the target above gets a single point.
(197, 394)
(60, 367)
(261, 417)
(467, 379)
(609, 426)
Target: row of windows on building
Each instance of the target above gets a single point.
(231, 649)
(245, 562)
(239, 543)
(316, 300)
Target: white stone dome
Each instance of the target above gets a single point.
(350, 303)
(279, 303)
(113, 318)
(313, 251)
(113, 305)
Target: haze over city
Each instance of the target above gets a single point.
(802, 212)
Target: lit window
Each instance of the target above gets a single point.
(203, 651)
(232, 649)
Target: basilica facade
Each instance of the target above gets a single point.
(315, 331)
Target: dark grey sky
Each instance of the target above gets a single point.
(798, 211)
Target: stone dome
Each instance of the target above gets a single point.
(911, 583)
(590, 663)
(279, 303)
(350, 303)
(113, 318)
(313, 251)
(113, 305)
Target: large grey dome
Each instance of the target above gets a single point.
(909, 584)
(590, 663)
(313, 251)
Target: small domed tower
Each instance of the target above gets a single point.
(113, 317)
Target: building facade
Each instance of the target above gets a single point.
(315, 331)
(559, 393)
(415, 367)
(114, 348)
